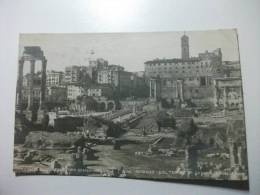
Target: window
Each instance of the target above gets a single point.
(202, 81)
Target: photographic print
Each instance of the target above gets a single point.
(151, 105)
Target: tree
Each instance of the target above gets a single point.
(188, 128)
(165, 120)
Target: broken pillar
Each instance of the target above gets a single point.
(191, 158)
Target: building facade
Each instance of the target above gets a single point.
(100, 91)
(110, 75)
(78, 75)
(125, 83)
(185, 78)
(98, 63)
(74, 91)
(54, 78)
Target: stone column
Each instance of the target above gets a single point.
(240, 155)
(234, 153)
(231, 152)
(225, 98)
(30, 91)
(155, 88)
(215, 94)
(134, 108)
(150, 82)
(191, 159)
(19, 85)
(43, 84)
(180, 91)
(106, 105)
(176, 89)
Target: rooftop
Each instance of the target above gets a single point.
(173, 60)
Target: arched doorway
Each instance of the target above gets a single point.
(110, 106)
(101, 106)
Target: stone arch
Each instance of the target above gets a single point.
(110, 105)
(102, 106)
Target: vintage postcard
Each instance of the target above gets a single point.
(155, 105)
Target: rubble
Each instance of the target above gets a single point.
(40, 139)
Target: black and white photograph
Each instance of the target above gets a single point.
(144, 105)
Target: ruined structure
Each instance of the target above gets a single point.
(236, 143)
(31, 54)
(228, 93)
(191, 158)
(155, 87)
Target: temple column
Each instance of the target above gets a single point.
(30, 91)
(180, 91)
(225, 98)
(240, 155)
(106, 105)
(150, 82)
(19, 86)
(43, 84)
(215, 94)
(176, 89)
(155, 88)
(191, 159)
(231, 152)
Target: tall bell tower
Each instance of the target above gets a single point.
(185, 54)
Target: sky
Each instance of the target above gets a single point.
(129, 50)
